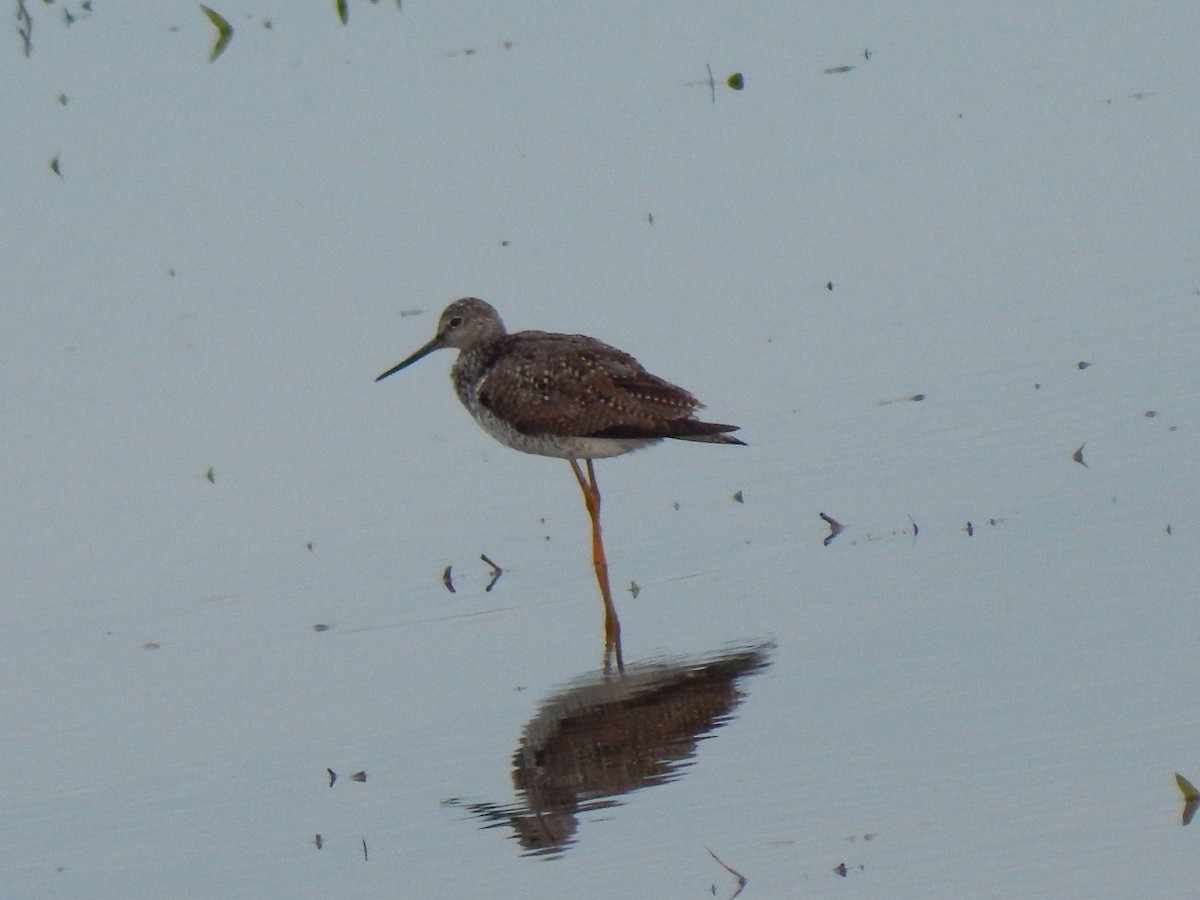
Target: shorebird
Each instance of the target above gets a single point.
(568, 396)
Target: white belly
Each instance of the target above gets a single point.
(558, 446)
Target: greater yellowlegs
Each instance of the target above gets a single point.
(568, 396)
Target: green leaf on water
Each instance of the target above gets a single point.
(736, 81)
(224, 32)
(343, 12)
(1191, 798)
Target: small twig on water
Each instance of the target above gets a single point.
(25, 27)
(496, 572)
(835, 528)
(741, 879)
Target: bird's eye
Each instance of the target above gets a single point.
(455, 321)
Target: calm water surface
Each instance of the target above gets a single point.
(982, 687)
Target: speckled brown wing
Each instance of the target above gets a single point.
(574, 385)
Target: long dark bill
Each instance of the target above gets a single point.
(435, 344)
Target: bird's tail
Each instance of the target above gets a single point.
(679, 429)
(708, 433)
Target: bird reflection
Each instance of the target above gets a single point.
(608, 735)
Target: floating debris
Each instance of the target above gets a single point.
(970, 529)
(320, 627)
(496, 572)
(25, 27)
(343, 11)
(835, 528)
(1191, 798)
(1082, 365)
(829, 285)
(210, 475)
(366, 858)
(332, 776)
(735, 81)
(56, 168)
(224, 32)
(1149, 414)
(739, 498)
(741, 879)
(359, 776)
(1078, 455)
(839, 70)
(319, 841)
(151, 645)
(635, 590)
(911, 530)
(1188, 789)
(840, 869)
(446, 580)
(911, 398)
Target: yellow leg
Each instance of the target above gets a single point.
(591, 499)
